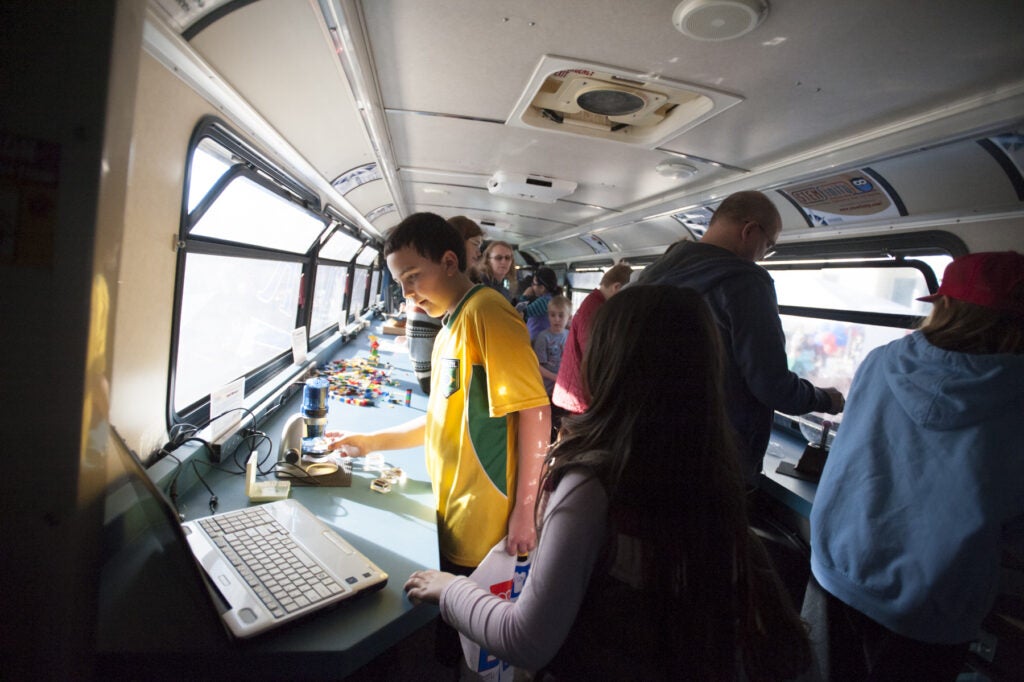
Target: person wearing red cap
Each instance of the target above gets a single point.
(923, 487)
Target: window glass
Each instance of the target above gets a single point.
(367, 256)
(328, 297)
(248, 213)
(585, 280)
(358, 291)
(375, 286)
(863, 289)
(577, 298)
(828, 352)
(936, 263)
(236, 314)
(209, 162)
(341, 246)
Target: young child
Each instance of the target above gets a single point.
(535, 311)
(488, 419)
(549, 343)
(643, 571)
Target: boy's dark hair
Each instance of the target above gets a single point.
(431, 236)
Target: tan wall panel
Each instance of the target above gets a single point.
(166, 114)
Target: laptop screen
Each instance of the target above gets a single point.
(151, 590)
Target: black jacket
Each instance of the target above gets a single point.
(741, 295)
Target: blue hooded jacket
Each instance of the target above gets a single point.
(923, 486)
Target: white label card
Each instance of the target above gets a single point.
(225, 401)
(299, 345)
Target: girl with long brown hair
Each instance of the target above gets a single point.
(646, 568)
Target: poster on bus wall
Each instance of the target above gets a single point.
(845, 198)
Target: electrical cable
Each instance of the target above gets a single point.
(294, 471)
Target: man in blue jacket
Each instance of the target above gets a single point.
(722, 267)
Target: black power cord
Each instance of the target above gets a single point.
(183, 433)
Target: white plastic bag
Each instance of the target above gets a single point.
(504, 576)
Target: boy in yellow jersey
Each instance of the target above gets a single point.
(488, 420)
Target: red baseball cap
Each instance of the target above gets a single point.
(985, 279)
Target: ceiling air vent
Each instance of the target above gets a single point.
(530, 187)
(594, 100)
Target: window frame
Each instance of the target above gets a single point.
(890, 251)
(857, 316)
(584, 266)
(252, 165)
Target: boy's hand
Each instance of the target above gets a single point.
(522, 532)
(350, 444)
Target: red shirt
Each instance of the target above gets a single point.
(568, 393)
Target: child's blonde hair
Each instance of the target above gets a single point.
(561, 303)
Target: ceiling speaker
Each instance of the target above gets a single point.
(718, 19)
(610, 101)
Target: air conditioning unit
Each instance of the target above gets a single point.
(531, 187)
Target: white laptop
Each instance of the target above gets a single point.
(264, 565)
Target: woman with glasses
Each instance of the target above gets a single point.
(497, 270)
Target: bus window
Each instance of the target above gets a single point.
(246, 243)
(236, 315)
(210, 160)
(375, 286)
(248, 212)
(834, 314)
(341, 247)
(360, 282)
(328, 297)
(367, 256)
(582, 281)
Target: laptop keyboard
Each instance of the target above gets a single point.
(276, 568)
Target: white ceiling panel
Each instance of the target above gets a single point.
(369, 196)
(824, 87)
(608, 174)
(298, 86)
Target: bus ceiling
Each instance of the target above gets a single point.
(577, 130)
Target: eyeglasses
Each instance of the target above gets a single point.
(497, 257)
(771, 243)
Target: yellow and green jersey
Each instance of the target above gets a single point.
(484, 372)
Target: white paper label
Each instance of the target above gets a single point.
(299, 345)
(225, 401)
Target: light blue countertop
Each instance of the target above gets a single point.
(397, 531)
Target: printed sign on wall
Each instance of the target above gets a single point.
(846, 198)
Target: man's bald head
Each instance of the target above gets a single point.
(747, 223)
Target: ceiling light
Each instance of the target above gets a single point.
(676, 169)
(718, 19)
